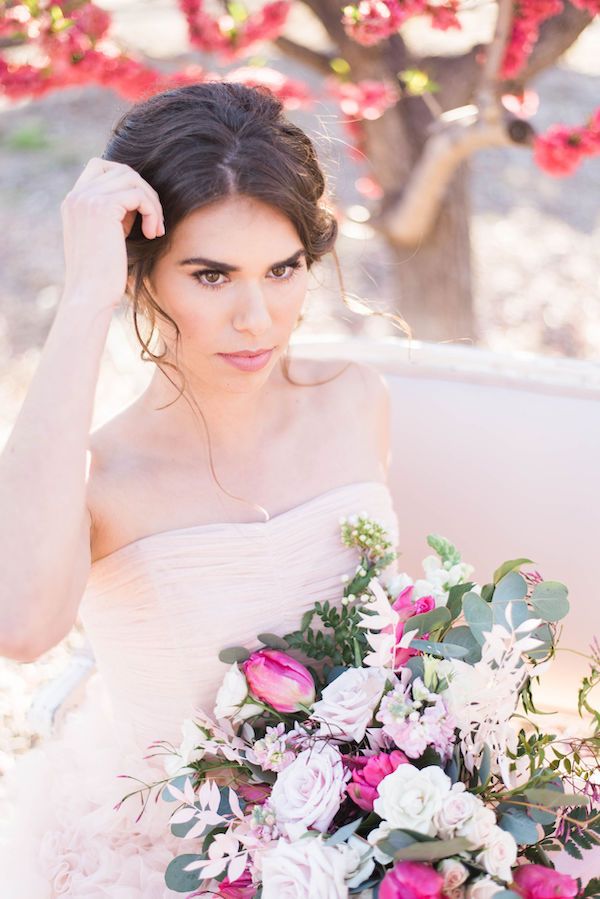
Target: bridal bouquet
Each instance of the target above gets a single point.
(389, 746)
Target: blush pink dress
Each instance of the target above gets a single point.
(157, 613)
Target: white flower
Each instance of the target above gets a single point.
(231, 697)
(376, 836)
(457, 808)
(499, 855)
(409, 798)
(348, 703)
(479, 827)
(187, 752)
(484, 888)
(358, 857)
(455, 874)
(309, 792)
(306, 867)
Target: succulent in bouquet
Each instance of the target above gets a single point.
(390, 747)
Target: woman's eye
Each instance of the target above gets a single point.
(279, 269)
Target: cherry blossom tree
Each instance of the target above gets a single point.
(414, 119)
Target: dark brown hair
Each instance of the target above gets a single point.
(205, 142)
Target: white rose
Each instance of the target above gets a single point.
(479, 827)
(309, 792)
(304, 868)
(409, 798)
(457, 808)
(454, 873)
(187, 752)
(358, 857)
(347, 704)
(374, 837)
(484, 888)
(230, 701)
(499, 855)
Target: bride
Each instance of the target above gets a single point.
(206, 511)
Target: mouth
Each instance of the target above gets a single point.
(244, 354)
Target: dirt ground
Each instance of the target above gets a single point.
(535, 247)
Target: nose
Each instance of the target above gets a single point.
(252, 314)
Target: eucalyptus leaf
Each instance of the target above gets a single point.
(428, 621)
(335, 672)
(443, 650)
(268, 777)
(549, 599)
(341, 835)
(455, 598)
(520, 826)
(486, 766)
(544, 634)
(478, 615)
(432, 851)
(234, 654)
(395, 840)
(416, 665)
(512, 588)
(462, 636)
(507, 894)
(179, 880)
(510, 566)
(274, 642)
(551, 798)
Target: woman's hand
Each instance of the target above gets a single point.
(98, 214)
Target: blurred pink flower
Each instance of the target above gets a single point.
(538, 882)
(367, 774)
(406, 609)
(411, 880)
(242, 888)
(279, 680)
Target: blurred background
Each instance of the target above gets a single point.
(508, 262)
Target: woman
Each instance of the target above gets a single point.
(207, 206)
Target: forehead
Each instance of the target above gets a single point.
(238, 230)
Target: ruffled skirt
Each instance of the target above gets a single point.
(61, 835)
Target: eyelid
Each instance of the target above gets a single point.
(294, 266)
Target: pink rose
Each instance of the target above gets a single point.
(367, 774)
(537, 882)
(406, 608)
(279, 680)
(411, 880)
(242, 888)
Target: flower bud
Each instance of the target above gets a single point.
(279, 680)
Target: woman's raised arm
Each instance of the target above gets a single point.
(44, 521)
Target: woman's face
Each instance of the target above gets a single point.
(234, 278)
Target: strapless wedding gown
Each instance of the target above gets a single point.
(157, 612)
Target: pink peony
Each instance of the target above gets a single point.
(538, 882)
(279, 680)
(411, 880)
(367, 774)
(242, 888)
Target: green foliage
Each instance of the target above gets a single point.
(511, 565)
(448, 553)
(234, 654)
(339, 641)
(549, 599)
(179, 880)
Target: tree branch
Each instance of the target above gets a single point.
(320, 62)
(460, 134)
(487, 97)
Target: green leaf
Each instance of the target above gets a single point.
(432, 851)
(510, 566)
(478, 615)
(306, 619)
(344, 832)
(520, 826)
(455, 598)
(485, 766)
(549, 599)
(551, 798)
(178, 782)
(428, 621)
(543, 633)
(179, 880)
(462, 636)
(234, 654)
(273, 641)
(395, 840)
(512, 588)
(443, 650)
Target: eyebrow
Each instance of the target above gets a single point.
(225, 267)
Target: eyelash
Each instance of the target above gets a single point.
(294, 266)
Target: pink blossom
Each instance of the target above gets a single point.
(279, 680)
(538, 882)
(367, 774)
(411, 880)
(253, 794)
(242, 888)
(407, 608)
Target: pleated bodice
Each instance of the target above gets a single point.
(158, 611)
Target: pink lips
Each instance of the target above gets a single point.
(247, 361)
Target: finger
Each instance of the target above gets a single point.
(97, 166)
(123, 178)
(136, 199)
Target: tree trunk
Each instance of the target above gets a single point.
(431, 284)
